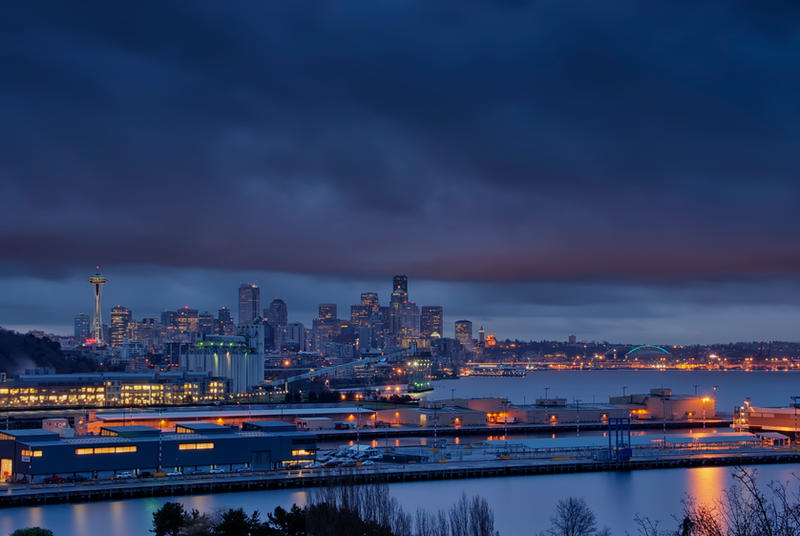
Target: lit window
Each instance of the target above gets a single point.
(195, 446)
(302, 452)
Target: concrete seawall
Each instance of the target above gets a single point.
(16, 495)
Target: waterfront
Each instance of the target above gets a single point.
(522, 505)
(765, 388)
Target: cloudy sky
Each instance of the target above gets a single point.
(624, 171)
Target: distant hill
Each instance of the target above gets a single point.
(19, 352)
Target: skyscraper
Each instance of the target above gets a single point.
(464, 333)
(360, 315)
(168, 319)
(431, 319)
(225, 325)
(370, 299)
(81, 328)
(249, 302)
(400, 282)
(327, 311)
(187, 320)
(277, 314)
(205, 323)
(121, 318)
(97, 280)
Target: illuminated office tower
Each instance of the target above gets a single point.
(97, 280)
(370, 299)
(187, 320)
(81, 328)
(430, 321)
(327, 311)
(360, 315)
(249, 302)
(464, 333)
(121, 318)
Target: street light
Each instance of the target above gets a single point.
(705, 400)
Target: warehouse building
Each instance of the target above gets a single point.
(168, 419)
(36, 455)
(663, 404)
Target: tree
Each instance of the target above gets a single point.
(32, 531)
(169, 519)
(573, 517)
(234, 523)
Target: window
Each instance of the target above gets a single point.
(34, 453)
(106, 450)
(302, 452)
(195, 446)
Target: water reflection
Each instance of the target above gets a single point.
(706, 485)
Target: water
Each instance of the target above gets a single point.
(765, 388)
(522, 505)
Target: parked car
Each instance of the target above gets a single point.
(55, 479)
(217, 470)
(145, 474)
(173, 473)
(123, 475)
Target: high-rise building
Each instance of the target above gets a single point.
(205, 323)
(81, 328)
(121, 318)
(225, 324)
(327, 311)
(431, 321)
(370, 299)
(400, 282)
(293, 337)
(481, 336)
(187, 320)
(408, 331)
(464, 333)
(168, 319)
(147, 332)
(360, 315)
(249, 302)
(97, 281)
(277, 314)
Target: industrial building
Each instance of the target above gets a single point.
(662, 404)
(783, 420)
(169, 419)
(129, 451)
(110, 389)
(555, 411)
(432, 416)
(230, 357)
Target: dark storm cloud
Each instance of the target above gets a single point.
(488, 141)
(623, 170)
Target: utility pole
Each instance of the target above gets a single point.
(794, 403)
(577, 417)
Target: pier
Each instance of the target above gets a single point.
(40, 494)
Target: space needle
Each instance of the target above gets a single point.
(97, 280)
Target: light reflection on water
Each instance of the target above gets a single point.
(522, 505)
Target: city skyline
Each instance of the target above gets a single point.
(566, 174)
(303, 307)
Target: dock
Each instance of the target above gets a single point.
(42, 494)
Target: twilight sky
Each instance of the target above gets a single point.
(624, 171)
